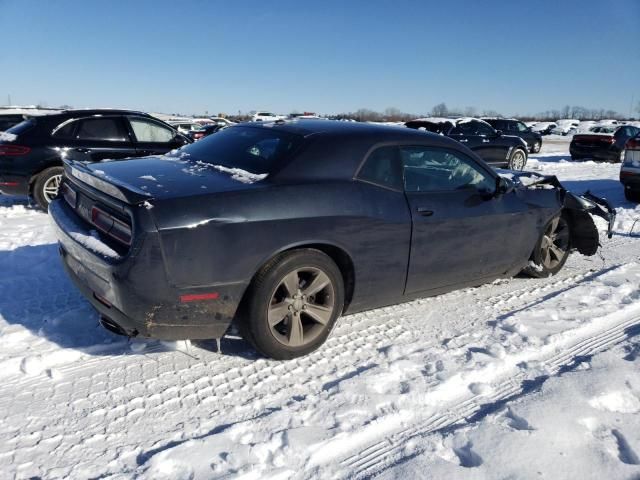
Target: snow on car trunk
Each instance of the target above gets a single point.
(173, 176)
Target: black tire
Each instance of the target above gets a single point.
(538, 266)
(518, 159)
(276, 340)
(632, 195)
(42, 186)
(535, 148)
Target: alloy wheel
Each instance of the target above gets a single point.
(555, 243)
(51, 187)
(518, 160)
(301, 306)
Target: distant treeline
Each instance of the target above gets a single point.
(441, 110)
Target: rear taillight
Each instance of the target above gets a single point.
(633, 144)
(110, 225)
(14, 150)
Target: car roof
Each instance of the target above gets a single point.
(102, 111)
(306, 127)
(487, 119)
(336, 149)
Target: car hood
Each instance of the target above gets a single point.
(163, 177)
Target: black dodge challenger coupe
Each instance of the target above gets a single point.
(282, 227)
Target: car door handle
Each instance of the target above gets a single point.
(464, 140)
(484, 140)
(425, 212)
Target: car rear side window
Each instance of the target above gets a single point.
(255, 150)
(382, 167)
(101, 128)
(150, 131)
(428, 169)
(65, 129)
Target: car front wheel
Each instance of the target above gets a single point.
(46, 185)
(552, 250)
(518, 159)
(292, 304)
(535, 148)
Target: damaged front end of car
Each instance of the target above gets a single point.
(578, 209)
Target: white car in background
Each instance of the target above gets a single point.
(264, 116)
(185, 127)
(544, 128)
(585, 126)
(565, 126)
(225, 122)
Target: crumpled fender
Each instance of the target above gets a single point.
(577, 209)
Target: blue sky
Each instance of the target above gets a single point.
(327, 56)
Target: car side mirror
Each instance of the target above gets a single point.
(503, 186)
(498, 133)
(180, 139)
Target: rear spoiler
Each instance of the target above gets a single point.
(104, 183)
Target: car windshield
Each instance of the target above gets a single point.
(255, 150)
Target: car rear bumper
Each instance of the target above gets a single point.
(596, 153)
(131, 293)
(13, 184)
(630, 178)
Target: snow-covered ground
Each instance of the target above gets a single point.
(522, 378)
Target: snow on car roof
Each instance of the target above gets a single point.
(28, 110)
(454, 121)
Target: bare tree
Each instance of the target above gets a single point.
(440, 110)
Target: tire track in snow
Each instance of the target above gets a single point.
(387, 451)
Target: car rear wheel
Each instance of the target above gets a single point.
(518, 159)
(46, 186)
(552, 250)
(535, 148)
(632, 195)
(292, 304)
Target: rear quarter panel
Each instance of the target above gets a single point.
(225, 238)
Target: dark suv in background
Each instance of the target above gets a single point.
(31, 152)
(511, 126)
(494, 147)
